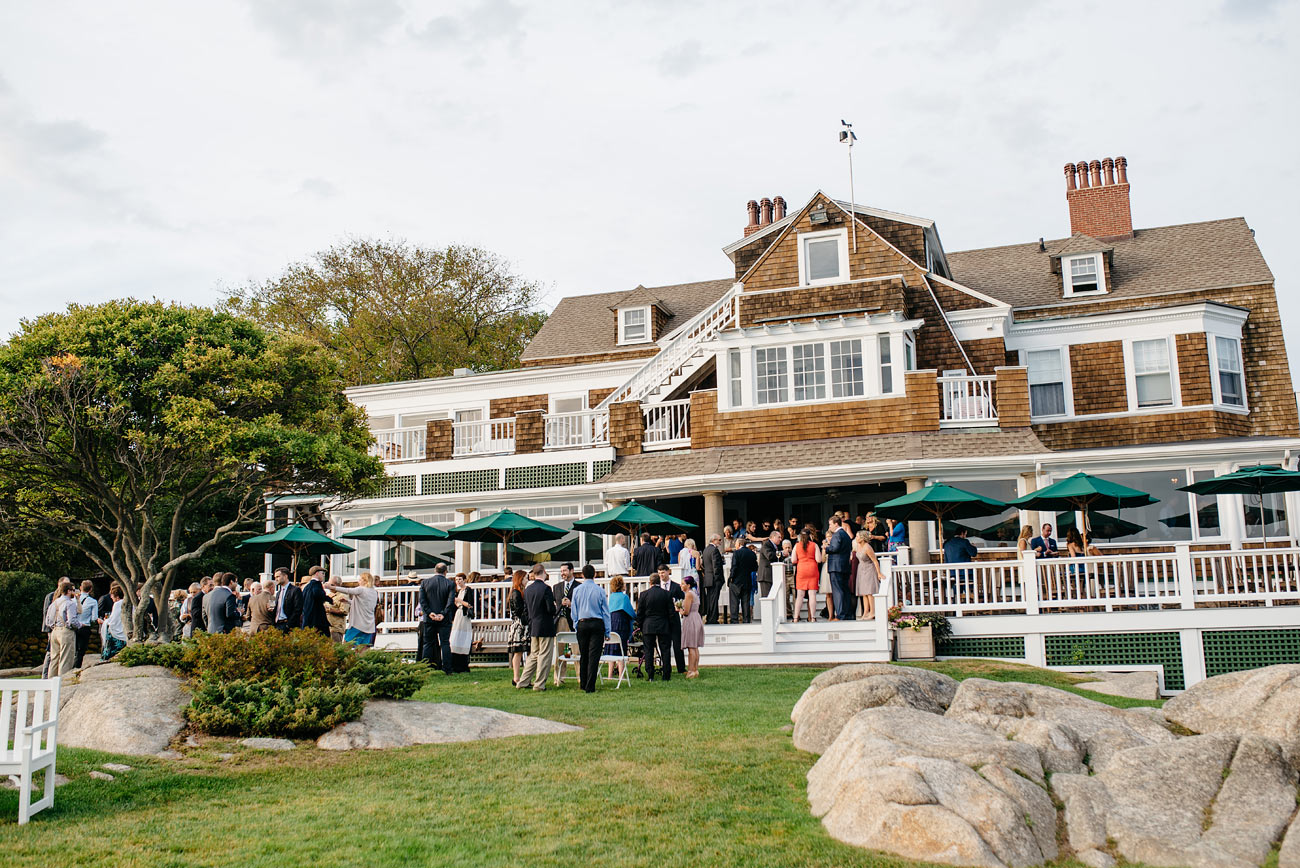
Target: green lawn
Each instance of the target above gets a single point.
(688, 773)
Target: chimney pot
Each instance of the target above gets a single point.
(1122, 165)
(1108, 166)
(1069, 176)
(766, 205)
(1096, 173)
(752, 208)
(1083, 174)
(779, 202)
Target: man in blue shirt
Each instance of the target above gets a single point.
(590, 609)
(86, 618)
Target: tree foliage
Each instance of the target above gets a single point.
(145, 434)
(394, 311)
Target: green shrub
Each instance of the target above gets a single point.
(387, 676)
(169, 654)
(239, 655)
(279, 706)
(21, 596)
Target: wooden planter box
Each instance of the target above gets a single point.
(912, 644)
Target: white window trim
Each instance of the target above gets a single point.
(1130, 375)
(649, 325)
(562, 396)
(1068, 383)
(1099, 262)
(805, 238)
(1212, 340)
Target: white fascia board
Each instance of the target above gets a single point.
(1202, 317)
(489, 379)
(979, 323)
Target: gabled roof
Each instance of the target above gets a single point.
(642, 296)
(1077, 243)
(859, 208)
(1165, 259)
(584, 325)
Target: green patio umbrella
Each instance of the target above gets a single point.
(632, 518)
(398, 529)
(938, 503)
(1084, 493)
(297, 540)
(1107, 527)
(1259, 480)
(506, 527)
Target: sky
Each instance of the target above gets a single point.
(177, 150)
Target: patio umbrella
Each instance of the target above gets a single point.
(1084, 493)
(297, 540)
(506, 527)
(398, 529)
(1107, 527)
(632, 518)
(1259, 480)
(938, 503)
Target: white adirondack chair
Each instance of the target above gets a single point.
(26, 748)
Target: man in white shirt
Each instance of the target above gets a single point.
(618, 560)
(86, 618)
(114, 629)
(62, 616)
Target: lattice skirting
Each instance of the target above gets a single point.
(1234, 650)
(1118, 649)
(1003, 647)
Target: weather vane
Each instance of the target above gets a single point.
(848, 137)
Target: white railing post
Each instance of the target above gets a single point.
(1186, 575)
(882, 620)
(1029, 581)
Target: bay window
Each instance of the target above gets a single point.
(1152, 375)
(1228, 371)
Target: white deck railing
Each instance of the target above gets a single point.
(399, 444)
(1258, 575)
(967, 401)
(1109, 581)
(667, 424)
(985, 587)
(579, 428)
(483, 437)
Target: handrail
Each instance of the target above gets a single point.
(667, 423)
(576, 428)
(483, 437)
(669, 360)
(399, 444)
(967, 400)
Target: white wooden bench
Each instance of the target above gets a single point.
(29, 717)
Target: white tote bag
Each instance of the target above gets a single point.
(462, 633)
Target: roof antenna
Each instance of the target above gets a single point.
(848, 137)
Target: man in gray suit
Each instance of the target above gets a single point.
(221, 606)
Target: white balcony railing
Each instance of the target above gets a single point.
(483, 437)
(967, 401)
(667, 425)
(399, 444)
(579, 428)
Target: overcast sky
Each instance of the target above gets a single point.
(172, 149)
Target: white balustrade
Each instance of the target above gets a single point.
(967, 401)
(399, 444)
(1109, 581)
(1265, 575)
(483, 437)
(579, 428)
(958, 589)
(667, 424)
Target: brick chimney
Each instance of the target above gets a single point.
(761, 214)
(1099, 205)
(752, 207)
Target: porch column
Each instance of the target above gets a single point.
(463, 553)
(1028, 485)
(270, 526)
(712, 515)
(607, 540)
(918, 535)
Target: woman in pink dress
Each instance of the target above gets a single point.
(692, 628)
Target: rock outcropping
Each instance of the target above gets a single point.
(974, 777)
(113, 708)
(390, 723)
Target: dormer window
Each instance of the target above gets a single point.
(633, 325)
(1083, 275)
(823, 257)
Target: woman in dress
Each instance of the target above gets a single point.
(692, 628)
(807, 574)
(1022, 542)
(517, 640)
(464, 603)
(621, 616)
(361, 612)
(689, 560)
(867, 575)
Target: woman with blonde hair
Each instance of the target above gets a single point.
(1022, 542)
(517, 638)
(867, 573)
(361, 613)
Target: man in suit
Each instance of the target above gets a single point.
(645, 560)
(563, 591)
(768, 553)
(744, 563)
(677, 593)
(221, 606)
(198, 618)
(540, 603)
(712, 576)
(654, 614)
(288, 602)
(1044, 545)
(261, 607)
(438, 603)
(314, 601)
(839, 546)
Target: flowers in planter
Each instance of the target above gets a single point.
(938, 624)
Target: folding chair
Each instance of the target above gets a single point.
(611, 659)
(559, 661)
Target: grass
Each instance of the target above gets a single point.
(689, 773)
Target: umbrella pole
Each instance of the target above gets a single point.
(1263, 527)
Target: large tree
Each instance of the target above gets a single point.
(145, 434)
(394, 311)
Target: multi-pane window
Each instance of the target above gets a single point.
(1083, 275)
(734, 377)
(846, 369)
(771, 375)
(1046, 383)
(635, 325)
(808, 364)
(1227, 354)
(886, 364)
(1152, 377)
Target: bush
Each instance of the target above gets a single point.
(238, 655)
(280, 707)
(387, 676)
(169, 654)
(21, 596)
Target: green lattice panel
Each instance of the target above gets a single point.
(600, 468)
(1119, 649)
(398, 486)
(546, 475)
(460, 481)
(1004, 647)
(1234, 650)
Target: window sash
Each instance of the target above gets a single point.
(737, 390)
(1227, 353)
(634, 324)
(822, 258)
(1152, 377)
(1083, 274)
(846, 369)
(1047, 399)
(809, 368)
(772, 379)
(886, 365)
